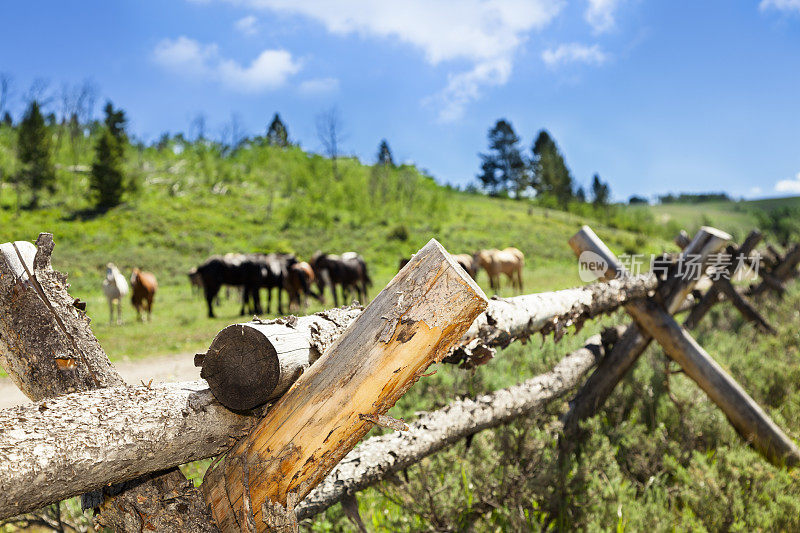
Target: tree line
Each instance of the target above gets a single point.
(507, 170)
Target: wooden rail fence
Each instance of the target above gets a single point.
(286, 401)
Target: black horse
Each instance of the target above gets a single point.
(348, 271)
(235, 270)
(272, 274)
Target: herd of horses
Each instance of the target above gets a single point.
(283, 272)
(344, 275)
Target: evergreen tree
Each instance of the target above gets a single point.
(115, 123)
(551, 175)
(108, 180)
(601, 192)
(385, 154)
(580, 195)
(7, 120)
(277, 134)
(504, 168)
(36, 166)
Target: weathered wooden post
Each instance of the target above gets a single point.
(655, 321)
(48, 349)
(594, 393)
(723, 286)
(412, 323)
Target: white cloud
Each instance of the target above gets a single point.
(319, 86)
(600, 14)
(464, 87)
(247, 25)
(485, 33)
(755, 190)
(790, 185)
(780, 5)
(574, 53)
(269, 70)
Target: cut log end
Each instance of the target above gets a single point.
(241, 367)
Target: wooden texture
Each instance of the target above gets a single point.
(124, 432)
(783, 271)
(412, 323)
(594, 393)
(48, 349)
(379, 457)
(46, 345)
(252, 363)
(249, 364)
(187, 423)
(752, 423)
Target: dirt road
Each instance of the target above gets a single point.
(177, 367)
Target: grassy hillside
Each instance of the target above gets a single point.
(197, 199)
(737, 218)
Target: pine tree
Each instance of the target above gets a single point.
(552, 178)
(504, 168)
(385, 155)
(36, 166)
(108, 180)
(601, 192)
(277, 134)
(580, 195)
(7, 120)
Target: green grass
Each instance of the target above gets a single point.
(737, 218)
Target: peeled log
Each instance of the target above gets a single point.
(412, 323)
(752, 423)
(381, 456)
(66, 446)
(594, 393)
(252, 363)
(249, 364)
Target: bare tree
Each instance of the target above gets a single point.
(5, 91)
(329, 133)
(233, 134)
(197, 128)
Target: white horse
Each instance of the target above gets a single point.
(115, 288)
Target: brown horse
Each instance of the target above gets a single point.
(143, 290)
(299, 277)
(495, 262)
(468, 263)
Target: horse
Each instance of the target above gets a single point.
(115, 288)
(468, 263)
(143, 289)
(234, 270)
(271, 273)
(509, 261)
(299, 278)
(349, 271)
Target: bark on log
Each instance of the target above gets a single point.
(594, 393)
(412, 323)
(379, 457)
(123, 433)
(46, 345)
(184, 409)
(249, 364)
(752, 423)
(48, 349)
(252, 363)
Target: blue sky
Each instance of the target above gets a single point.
(655, 96)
